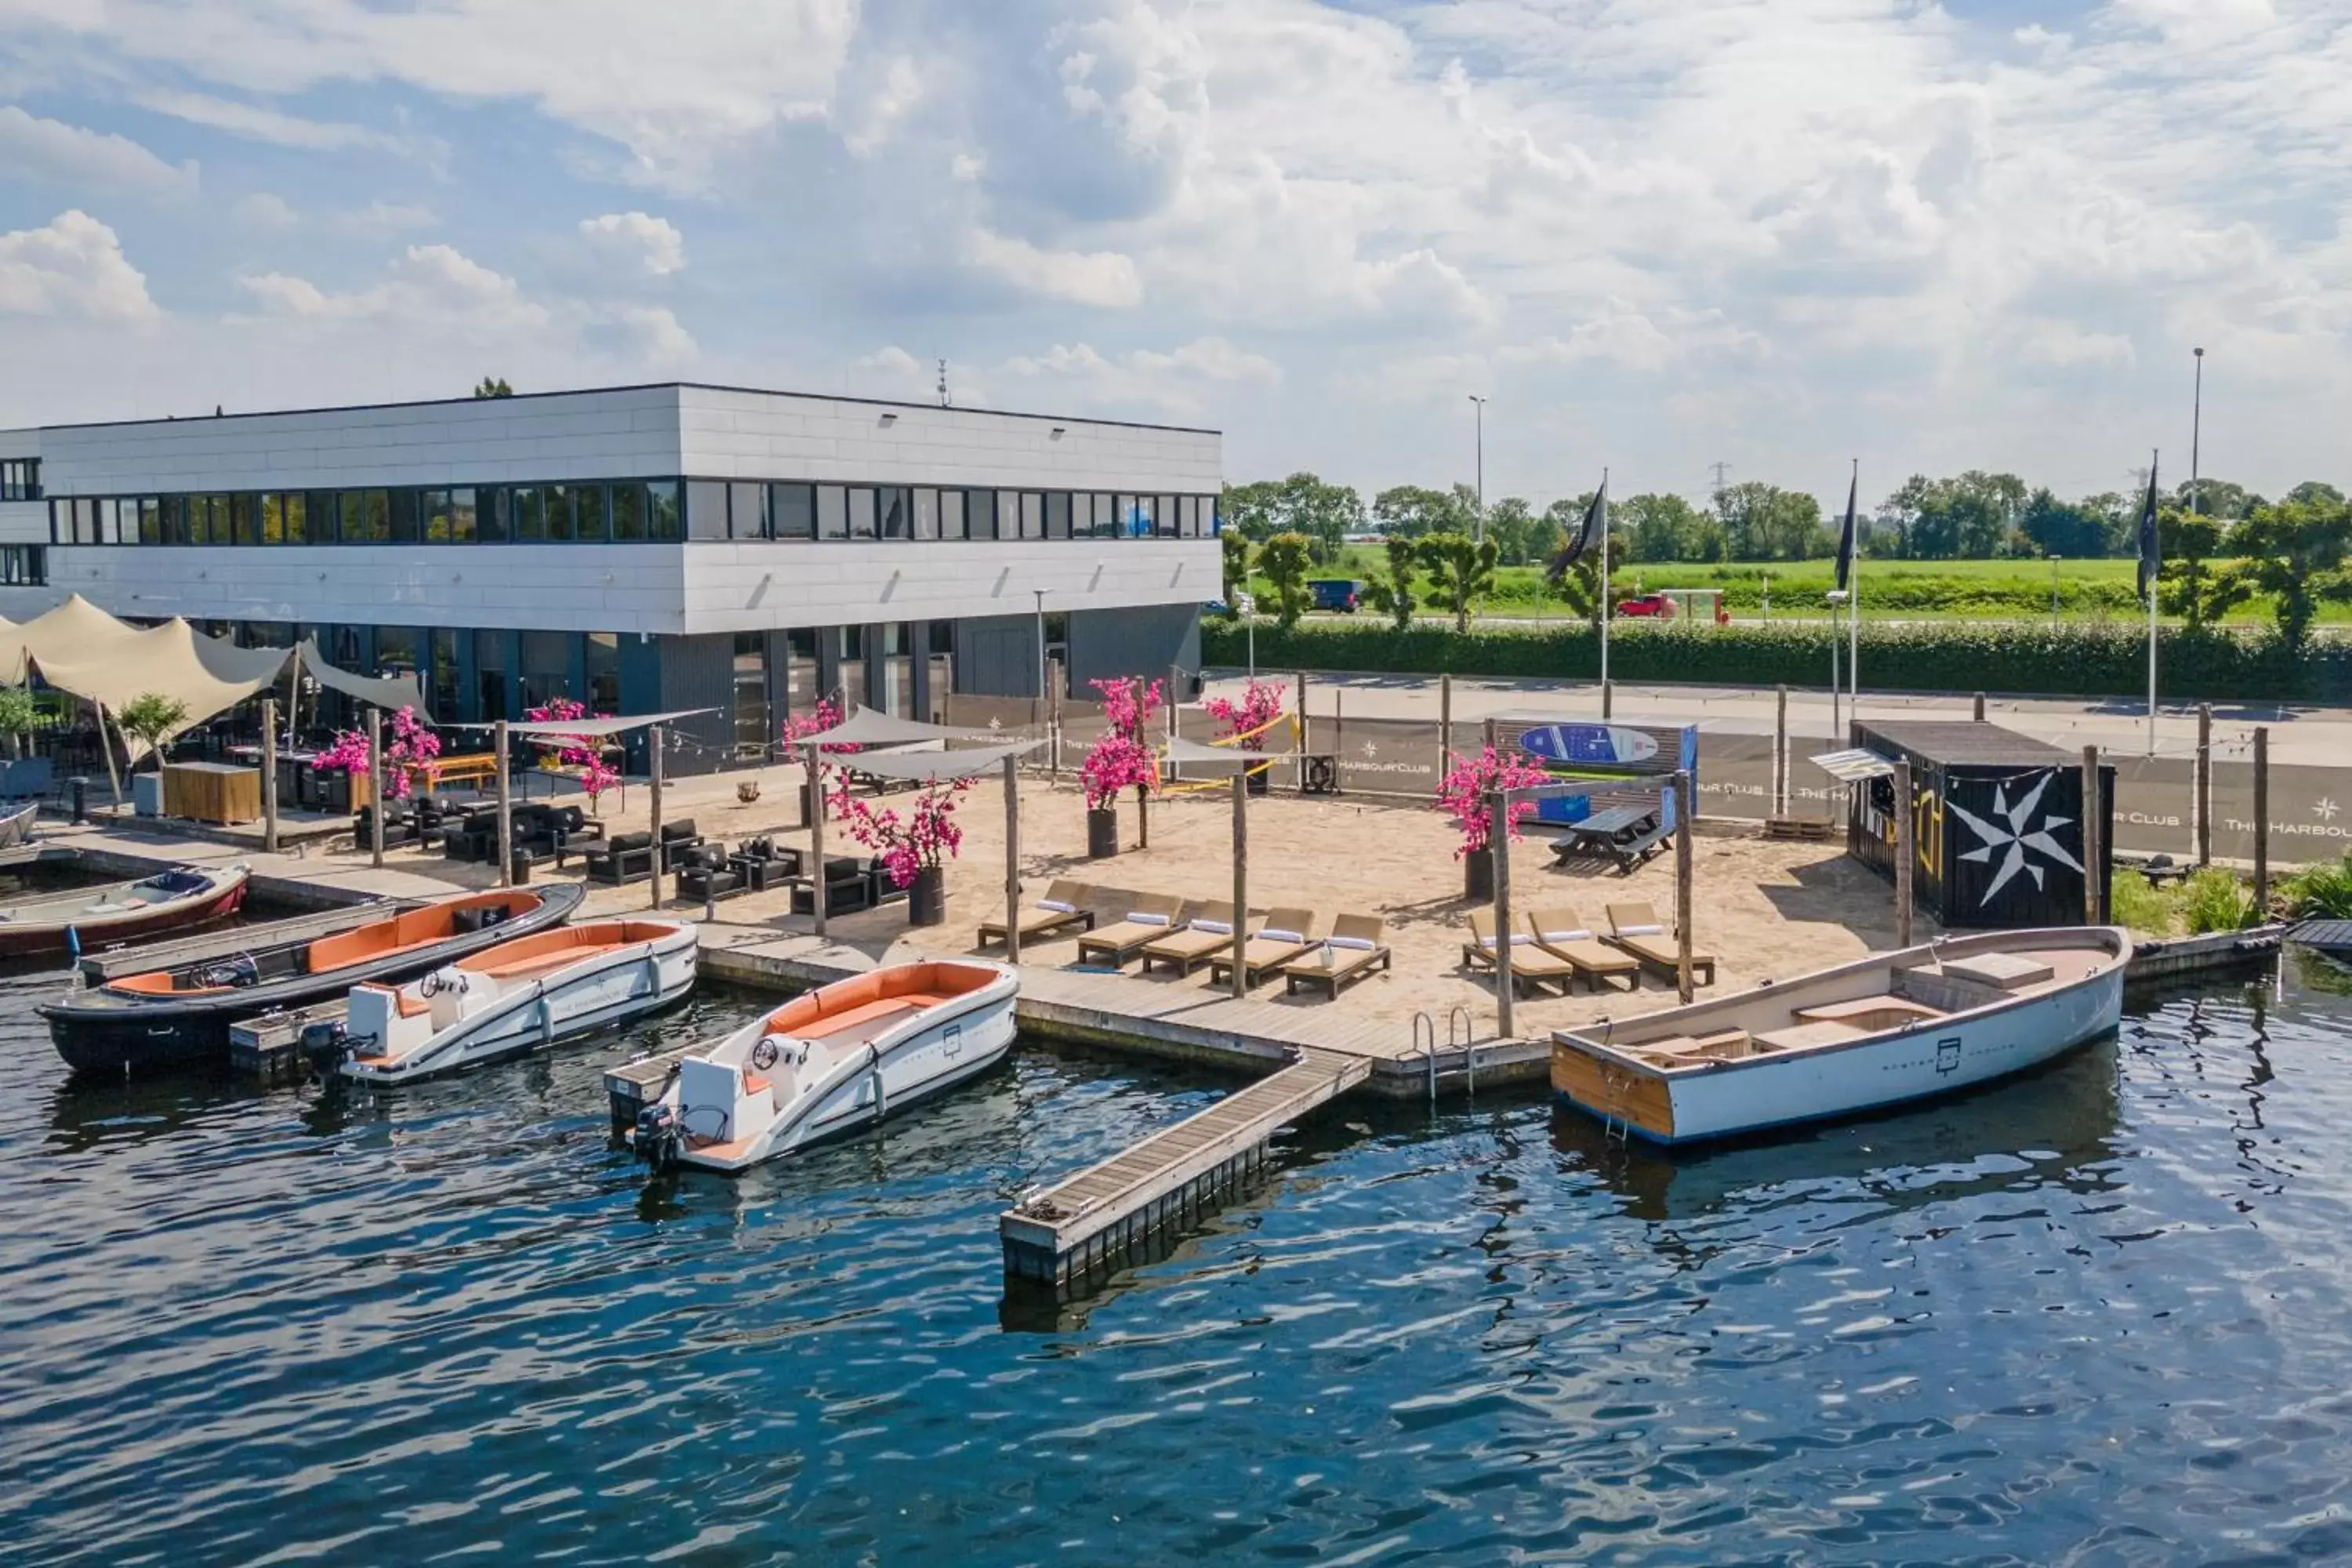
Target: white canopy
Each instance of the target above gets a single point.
(934, 767)
(872, 727)
(205, 675)
(74, 632)
(1194, 757)
(590, 728)
(391, 693)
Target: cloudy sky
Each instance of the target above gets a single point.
(1657, 234)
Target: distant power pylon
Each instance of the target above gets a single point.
(1722, 473)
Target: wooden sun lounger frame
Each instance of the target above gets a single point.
(1347, 963)
(1657, 954)
(1184, 955)
(1042, 924)
(1258, 968)
(1600, 964)
(1118, 944)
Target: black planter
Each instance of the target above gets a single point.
(1102, 833)
(927, 897)
(1479, 876)
(1260, 781)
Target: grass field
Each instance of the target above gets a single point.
(1890, 590)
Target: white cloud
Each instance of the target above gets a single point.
(263, 210)
(258, 124)
(650, 334)
(1101, 278)
(432, 285)
(32, 148)
(73, 266)
(652, 243)
(381, 218)
(1181, 381)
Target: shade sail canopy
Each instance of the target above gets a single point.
(205, 675)
(1853, 766)
(937, 767)
(75, 632)
(1196, 758)
(590, 729)
(871, 727)
(391, 693)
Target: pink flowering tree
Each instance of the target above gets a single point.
(924, 839)
(1260, 706)
(350, 752)
(412, 756)
(1121, 758)
(1463, 795)
(595, 778)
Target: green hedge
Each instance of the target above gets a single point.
(2065, 658)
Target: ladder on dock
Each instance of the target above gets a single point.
(1103, 1212)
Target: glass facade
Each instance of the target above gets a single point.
(20, 479)
(625, 511)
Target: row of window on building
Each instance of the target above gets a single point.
(20, 479)
(625, 511)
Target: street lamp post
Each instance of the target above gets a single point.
(1480, 531)
(2195, 434)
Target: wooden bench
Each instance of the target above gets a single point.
(474, 768)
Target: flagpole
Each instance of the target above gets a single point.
(1854, 609)
(1608, 610)
(2151, 621)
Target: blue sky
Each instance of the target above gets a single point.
(1656, 233)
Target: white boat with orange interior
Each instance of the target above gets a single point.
(838, 1058)
(516, 998)
(1883, 1030)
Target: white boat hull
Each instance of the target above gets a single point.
(935, 1049)
(1920, 1060)
(601, 992)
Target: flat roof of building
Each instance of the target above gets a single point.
(632, 386)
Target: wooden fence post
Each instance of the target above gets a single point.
(375, 787)
(2204, 804)
(270, 775)
(2095, 842)
(1780, 756)
(506, 806)
(1012, 860)
(654, 750)
(1241, 882)
(1905, 849)
(1980, 710)
(1686, 819)
(1498, 842)
(2262, 822)
(1445, 722)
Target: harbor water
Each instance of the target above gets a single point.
(2094, 1316)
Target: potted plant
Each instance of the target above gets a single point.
(1247, 722)
(348, 756)
(1120, 758)
(151, 721)
(1463, 795)
(914, 849)
(410, 756)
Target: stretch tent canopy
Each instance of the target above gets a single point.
(206, 675)
(391, 693)
(75, 632)
(937, 767)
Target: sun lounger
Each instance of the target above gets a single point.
(1637, 929)
(1558, 932)
(1353, 950)
(1049, 917)
(1210, 933)
(1532, 968)
(1148, 918)
(1286, 934)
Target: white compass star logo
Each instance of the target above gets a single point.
(2013, 833)
(1370, 751)
(2324, 809)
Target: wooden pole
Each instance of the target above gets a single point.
(816, 838)
(1487, 734)
(506, 806)
(106, 750)
(1338, 734)
(1906, 851)
(1685, 818)
(2095, 840)
(375, 787)
(1445, 722)
(654, 750)
(2262, 822)
(270, 775)
(1780, 755)
(1298, 746)
(1241, 880)
(1980, 712)
(1498, 841)
(1012, 859)
(2204, 783)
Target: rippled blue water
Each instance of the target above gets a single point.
(2097, 1316)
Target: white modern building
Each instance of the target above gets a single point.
(639, 548)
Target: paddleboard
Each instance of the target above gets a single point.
(1574, 744)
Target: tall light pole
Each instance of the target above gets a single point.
(1480, 533)
(2196, 432)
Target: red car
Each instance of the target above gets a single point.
(1678, 604)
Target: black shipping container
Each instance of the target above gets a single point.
(1997, 818)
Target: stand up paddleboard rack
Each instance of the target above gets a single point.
(1627, 814)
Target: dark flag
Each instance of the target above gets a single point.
(1588, 535)
(2151, 557)
(1845, 539)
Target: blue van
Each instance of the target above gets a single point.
(1335, 592)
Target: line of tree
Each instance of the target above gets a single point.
(1970, 516)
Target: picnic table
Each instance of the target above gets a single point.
(1627, 834)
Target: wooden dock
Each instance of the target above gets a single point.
(269, 1046)
(1087, 1224)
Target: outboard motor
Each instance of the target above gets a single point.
(324, 1043)
(659, 1137)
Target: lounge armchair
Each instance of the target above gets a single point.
(1532, 968)
(1558, 932)
(1353, 950)
(1148, 918)
(1637, 929)
(677, 837)
(848, 889)
(1211, 934)
(1049, 917)
(705, 874)
(623, 858)
(762, 866)
(1286, 933)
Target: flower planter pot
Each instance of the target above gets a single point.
(1479, 876)
(1102, 833)
(1260, 782)
(927, 897)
